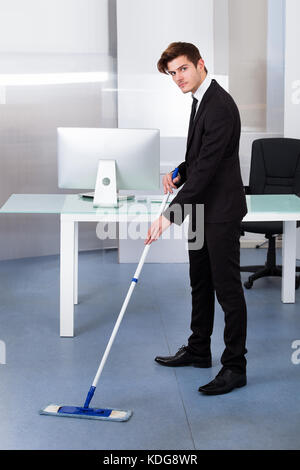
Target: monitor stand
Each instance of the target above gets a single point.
(105, 194)
(106, 185)
(120, 197)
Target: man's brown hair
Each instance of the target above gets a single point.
(176, 49)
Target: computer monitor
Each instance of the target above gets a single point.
(136, 153)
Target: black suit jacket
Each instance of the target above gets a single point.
(211, 171)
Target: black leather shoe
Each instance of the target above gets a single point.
(184, 358)
(225, 381)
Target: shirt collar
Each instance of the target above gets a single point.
(202, 88)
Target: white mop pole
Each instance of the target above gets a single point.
(123, 310)
(127, 298)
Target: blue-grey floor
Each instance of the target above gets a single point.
(169, 412)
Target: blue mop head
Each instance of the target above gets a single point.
(108, 414)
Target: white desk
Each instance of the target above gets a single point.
(73, 209)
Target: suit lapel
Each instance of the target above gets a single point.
(199, 112)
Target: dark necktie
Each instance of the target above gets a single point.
(193, 112)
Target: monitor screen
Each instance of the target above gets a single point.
(135, 151)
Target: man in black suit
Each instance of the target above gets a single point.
(211, 176)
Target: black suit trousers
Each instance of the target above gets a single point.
(215, 269)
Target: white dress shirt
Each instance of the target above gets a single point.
(201, 90)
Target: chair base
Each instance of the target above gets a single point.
(270, 268)
(265, 271)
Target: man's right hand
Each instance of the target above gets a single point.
(169, 184)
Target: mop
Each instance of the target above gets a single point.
(110, 414)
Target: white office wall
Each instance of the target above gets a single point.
(47, 36)
(221, 37)
(292, 71)
(275, 65)
(249, 48)
(146, 98)
(56, 26)
(292, 76)
(248, 59)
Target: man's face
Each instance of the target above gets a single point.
(185, 74)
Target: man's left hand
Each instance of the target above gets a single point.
(156, 229)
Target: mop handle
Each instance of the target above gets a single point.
(127, 298)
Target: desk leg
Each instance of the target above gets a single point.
(67, 242)
(288, 262)
(75, 263)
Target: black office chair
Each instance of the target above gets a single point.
(275, 169)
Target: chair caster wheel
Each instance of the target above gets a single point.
(248, 284)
